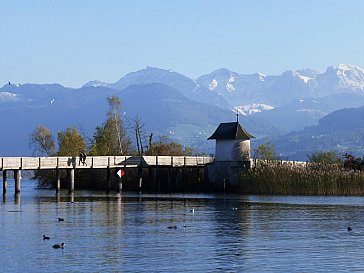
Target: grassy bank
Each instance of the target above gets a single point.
(314, 179)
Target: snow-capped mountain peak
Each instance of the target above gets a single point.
(343, 76)
(252, 108)
(95, 83)
(213, 84)
(230, 84)
(8, 97)
(261, 76)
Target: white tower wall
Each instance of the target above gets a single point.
(232, 150)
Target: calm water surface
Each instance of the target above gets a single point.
(128, 233)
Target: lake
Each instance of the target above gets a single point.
(129, 232)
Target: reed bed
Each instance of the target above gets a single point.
(312, 179)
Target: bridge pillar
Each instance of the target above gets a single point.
(178, 185)
(108, 180)
(92, 176)
(5, 181)
(153, 178)
(71, 179)
(17, 178)
(169, 179)
(58, 177)
(140, 178)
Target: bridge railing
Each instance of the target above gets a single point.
(34, 163)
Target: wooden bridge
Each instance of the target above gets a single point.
(17, 164)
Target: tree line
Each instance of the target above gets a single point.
(109, 139)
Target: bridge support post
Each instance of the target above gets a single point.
(92, 177)
(169, 179)
(153, 178)
(17, 178)
(178, 179)
(58, 177)
(71, 179)
(5, 181)
(108, 180)
(140, 178)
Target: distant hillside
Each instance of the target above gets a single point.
(342, 131)
(189, 110)
(162, 109)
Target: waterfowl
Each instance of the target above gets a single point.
(192, 210)
(172, 227)
(46, 237)
(350, 229)
(60, 219)
(58, 245)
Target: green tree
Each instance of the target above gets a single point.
(265, 151)
(329, 157)
(111, 137)
(70, 142)
(42, 141)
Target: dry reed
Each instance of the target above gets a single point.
(311, 179)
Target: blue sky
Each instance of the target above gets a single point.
(73, 41)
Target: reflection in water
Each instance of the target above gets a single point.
(71, 197)
(58, 197)
(128, 233)
(17, 198)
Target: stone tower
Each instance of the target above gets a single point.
(232, 155)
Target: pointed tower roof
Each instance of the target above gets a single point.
(231, 130)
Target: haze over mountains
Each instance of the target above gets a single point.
(189, 110)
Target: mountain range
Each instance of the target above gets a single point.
(290, 108)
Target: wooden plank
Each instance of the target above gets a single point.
(11, 163)
(150, 160)
(48, 162)
(100, 161)
(178, 161)
(191, 161)
(30, 163)
(200, 160)
(164, 160)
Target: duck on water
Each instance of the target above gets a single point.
(58, 245)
